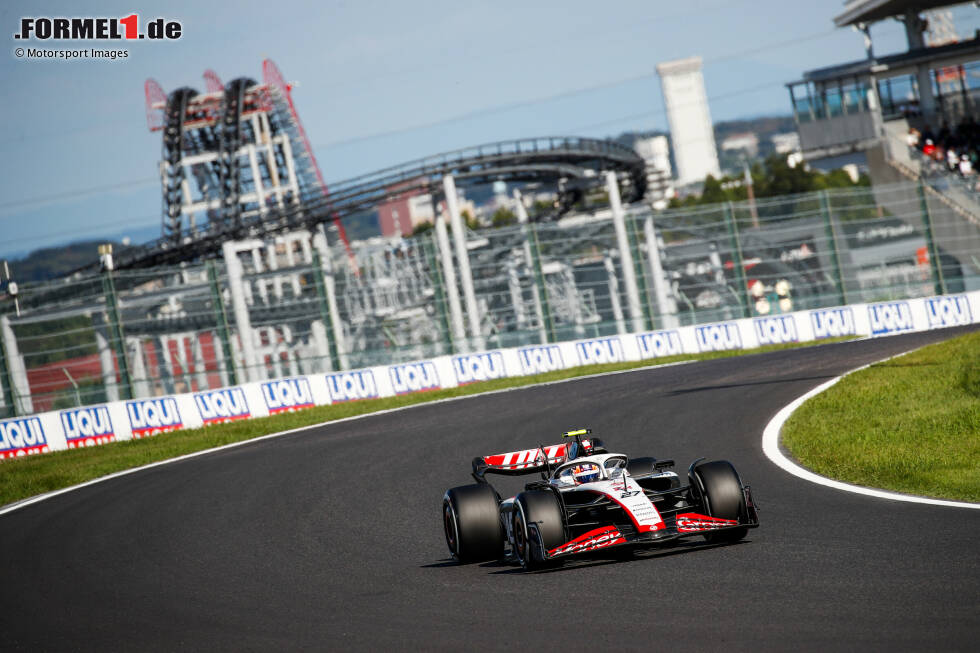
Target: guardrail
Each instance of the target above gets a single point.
(139, 418)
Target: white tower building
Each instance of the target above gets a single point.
(690, 121)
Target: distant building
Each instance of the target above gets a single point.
(747, 142)
(785, 143)
(655, 151)
(399, 217)
(690, 121)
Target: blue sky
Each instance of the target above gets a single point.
(384, 82)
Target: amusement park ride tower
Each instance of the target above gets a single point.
(235, 152)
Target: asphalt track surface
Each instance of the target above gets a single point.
(331, 539)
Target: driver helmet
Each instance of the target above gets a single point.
(586, 472)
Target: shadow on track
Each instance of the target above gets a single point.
(593, 559)
(704, 388)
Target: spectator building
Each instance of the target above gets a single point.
(881, 112)
(855, 106)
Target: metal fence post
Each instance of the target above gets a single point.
(236, 284)
(106, 362)
(439, 295)
(6, 384)
(549, 322)
(729, 212)
(20, 386)
(666, 303)
(641, 278)
(532, 265)
(452, 292)
(937, 268)
(834, 247)
(325, 314)
(116, 333)
(221, 319)
(335, 328)
(463, 259)
(625, 255)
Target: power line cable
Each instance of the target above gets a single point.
(4, 207)
(500, 108)
(660, 112)
(74, 194)
(370, 80)
(90, 228)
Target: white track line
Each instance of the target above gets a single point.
(48, 495)
(770, 447)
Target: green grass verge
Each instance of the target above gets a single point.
(910, 424)
(21, 478)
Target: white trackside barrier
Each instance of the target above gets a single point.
(124, 420)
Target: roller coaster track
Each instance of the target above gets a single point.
(553, 160)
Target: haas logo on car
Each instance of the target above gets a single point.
(413, 377)
(151, 416)
(832, 323)
(352, 386)
(22, 437)
(718, 337)
(224, 405)
(657, 344)
(953, 310)
(599, 350)
(479, 367)
(690, 522)
(890, 317)
(87, 426)
(287, 395)
(775, 330)
(535, 360)
(596, 539)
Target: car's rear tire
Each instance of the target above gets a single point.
(538, 523)
(471, 519)
(721, 493)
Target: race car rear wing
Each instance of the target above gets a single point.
(529, 461)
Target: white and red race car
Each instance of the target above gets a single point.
(589, 499)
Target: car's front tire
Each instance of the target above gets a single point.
(538, 524)
(721, 494)
(471, 520)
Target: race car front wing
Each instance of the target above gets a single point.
(677, 526)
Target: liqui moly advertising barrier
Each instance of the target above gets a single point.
(144, 417)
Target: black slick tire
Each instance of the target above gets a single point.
(471, 520)
(721, 492)
(538, 524)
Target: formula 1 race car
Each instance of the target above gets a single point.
(589, 499)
